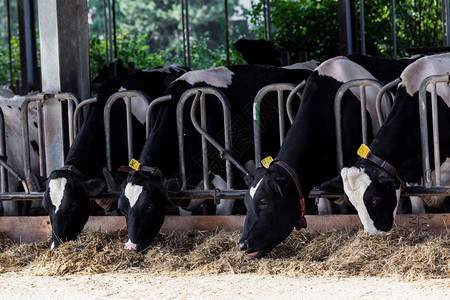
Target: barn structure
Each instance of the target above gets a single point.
(64, 68)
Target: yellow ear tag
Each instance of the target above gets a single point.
(134, 164)
(266, 161)
(363, 151)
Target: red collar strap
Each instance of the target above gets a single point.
(152, 170)
(386, 166)
(294, 177)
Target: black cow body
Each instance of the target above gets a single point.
(144, 198)
(68, 189)
(309, 151)
(375, 191)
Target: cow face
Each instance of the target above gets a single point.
(66, 200)
(143, 203)
(272, 212)
(374, 193)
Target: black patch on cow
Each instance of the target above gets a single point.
(35, 146)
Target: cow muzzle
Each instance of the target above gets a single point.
(129, 245)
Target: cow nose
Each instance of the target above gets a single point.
(129, 245)
(243, 245)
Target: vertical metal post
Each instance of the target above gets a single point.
(64, 42)
(3, 173)
(186, 43)
(267, 21)
(445, 21)
(227, 34)
(363, 30)
(28, 58)
(8, 7)
(394, 30)
(204, 141)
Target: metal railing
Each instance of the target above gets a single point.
(280, 88)
(362, 84)
(127, 96)
(430, 81)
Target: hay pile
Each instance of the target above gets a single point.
(402, 253)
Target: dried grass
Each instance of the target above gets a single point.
(401, 253)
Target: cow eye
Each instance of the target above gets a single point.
(148, 209)
(375, 201)
(263, 203)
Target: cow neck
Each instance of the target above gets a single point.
(87, 153)
(294, 177)
(398, 141)
(161, 147)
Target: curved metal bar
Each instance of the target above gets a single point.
(426, 170)
(291, 96)
(225, 152)
(385, 92)
(279, 88)
(150, 110)
(107, 120)
(362, 83)
(77, 112)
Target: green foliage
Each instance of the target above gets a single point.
(5, 74)
(304, 25)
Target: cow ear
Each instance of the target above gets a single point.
(94, 187)
(37, 183)
(334, 185)
(170, 185)
(350, 177)
(113, 181)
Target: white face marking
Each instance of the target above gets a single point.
(132, 192)
(416, 72)
(57, 187)
(356, 182)
(217, 77)
(253, 189)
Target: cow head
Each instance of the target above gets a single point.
(143, 202)
(372, 191)
(66, 200)
(273, 211)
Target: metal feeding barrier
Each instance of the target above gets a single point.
(280, 88)
(225, 151)
(430, 81)
(428, 189)
(127, 97)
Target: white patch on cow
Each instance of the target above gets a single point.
(57, 187)
(132, 192)
(307, 65)
(217, 77)
(138, 107)
(356, 182)
(53, 245)
(343, 70)
(416, 72)
(255, 188)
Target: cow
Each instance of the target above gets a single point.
(11, 110)
(275, 200)
(68, 190)
(144, 197)
(373, 184)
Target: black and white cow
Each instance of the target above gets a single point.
(308, 155)
(10, 106)
(374, 190)
(144, 198)
(68, 190)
